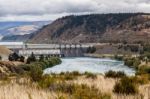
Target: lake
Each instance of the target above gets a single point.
(93, 65)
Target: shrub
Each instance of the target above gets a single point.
(41, 58)
(143, 70)
(142, 79)
(22, 58)
(69, 77)
(79, 91)
(113, 74)
(0, 57)
(90, 75)
(85, 92)
(126, 86)
(25, 67)
(36, 72)
(31, 58)
(120, 58)
(46, 81)
(91, 50)
(13, 57)
(129, 62)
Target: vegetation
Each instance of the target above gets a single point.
(113, 74)
(126, 86)
(69, 84)
(117, 57)
(16, 57)
(132, 62)
(91, 50)
(31, 58)
(57, 84)
(36, 72)
(90, 75)
(143, 70)
(13, 57)
(0, 57)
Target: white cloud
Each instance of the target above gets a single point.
(51, 9)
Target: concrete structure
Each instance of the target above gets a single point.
(68, 50)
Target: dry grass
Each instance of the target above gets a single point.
(102, 83)
(106, 85)
(23, 88)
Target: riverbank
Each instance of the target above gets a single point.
(33, 84)
(108, 55)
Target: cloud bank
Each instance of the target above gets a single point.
(52, 9)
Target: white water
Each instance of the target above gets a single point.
(93, 65)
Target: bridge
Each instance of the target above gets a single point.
(60, 50)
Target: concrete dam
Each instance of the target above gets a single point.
(59, 50)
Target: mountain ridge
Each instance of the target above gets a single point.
(95, 28)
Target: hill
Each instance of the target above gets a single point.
(19, 31)
(123, 27)
(4, 52)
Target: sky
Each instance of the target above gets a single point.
(41, 10)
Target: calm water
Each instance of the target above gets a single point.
(93, 65)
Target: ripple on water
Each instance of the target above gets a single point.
(93, 65)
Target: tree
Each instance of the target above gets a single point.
(22, 58)
(13, 57)
(31, 58)
(91, 50)
(41, 58)
(0, 57)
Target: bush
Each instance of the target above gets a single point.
(142, 79)
(0, 57)
(46, 81)
(129, 62)
(13, 57)
(90, 75)
(31, 58)
(79, 91)
(41, 58)
(22, 58)
(143, 70)
(113, 74)
(91, 50)
(120, 58)
(126, 86)
(36, 72)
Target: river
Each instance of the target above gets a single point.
(93, 65)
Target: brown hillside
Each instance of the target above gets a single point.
(129, 27)
(4, 51)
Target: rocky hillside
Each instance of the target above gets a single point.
(127, 27)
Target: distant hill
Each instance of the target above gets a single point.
(123, 27)
(16, 31)
(4, 52)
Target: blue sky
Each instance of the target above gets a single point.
(37, 10)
